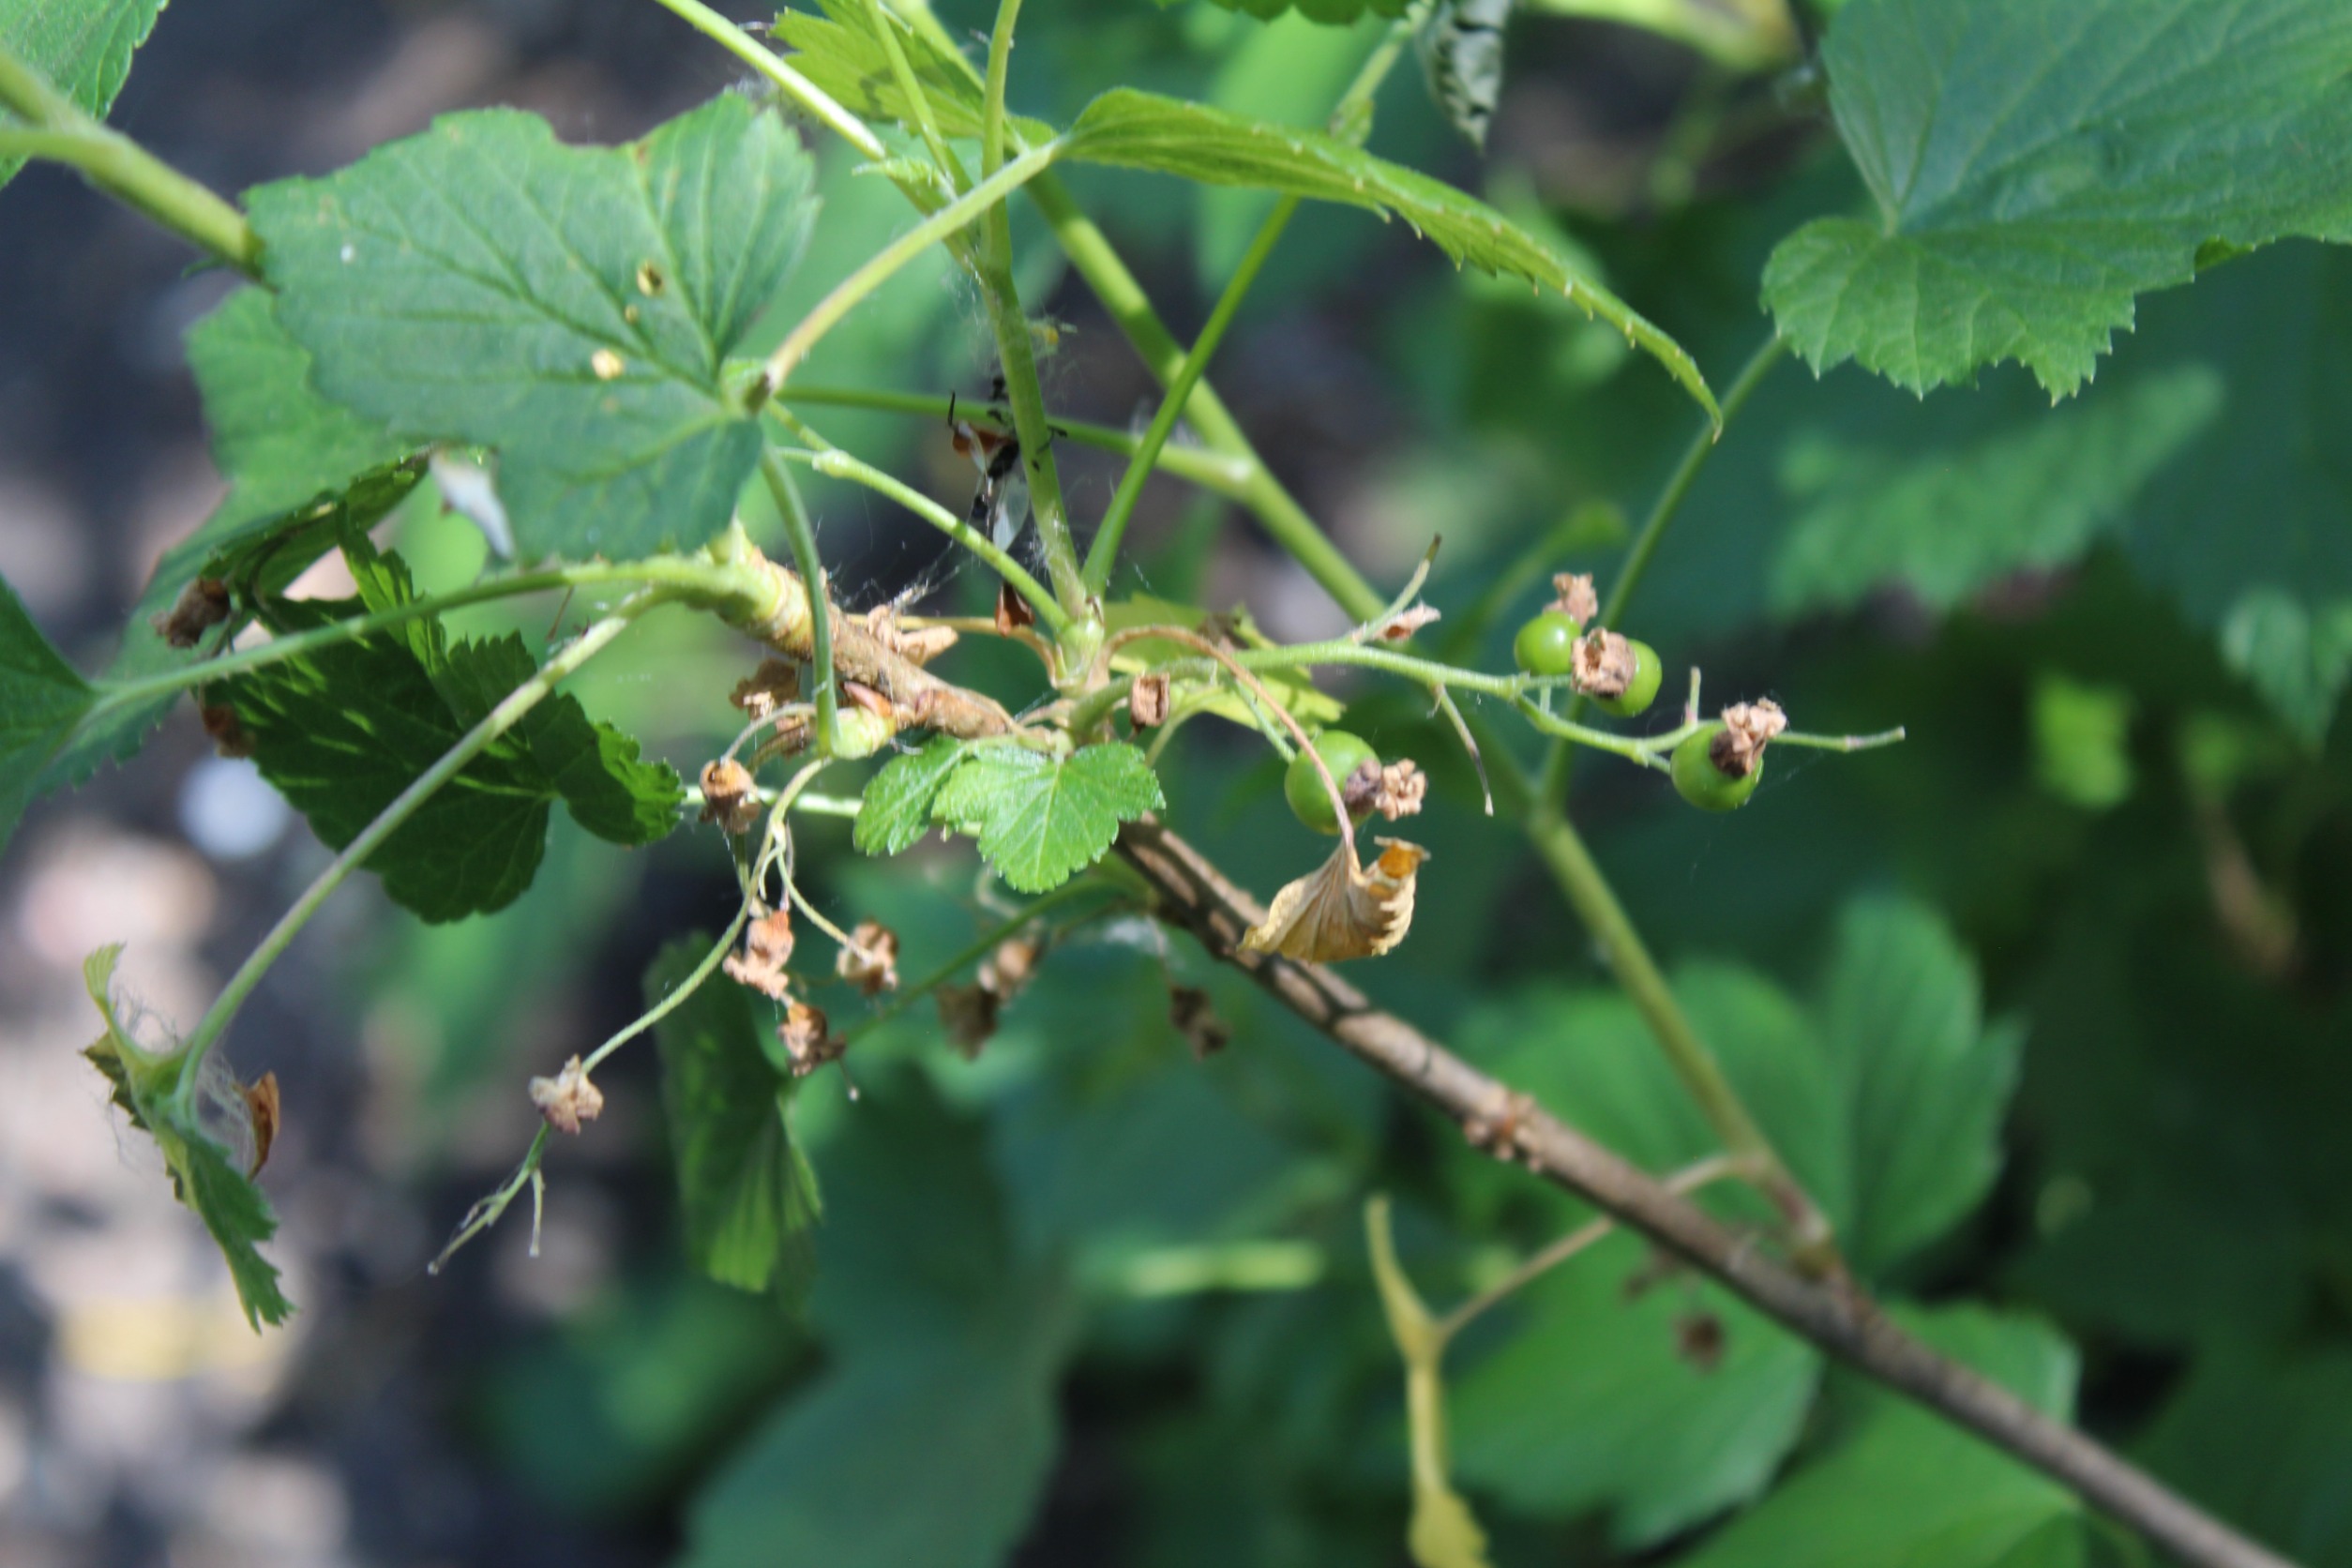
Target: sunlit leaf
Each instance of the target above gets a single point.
(1042, 820)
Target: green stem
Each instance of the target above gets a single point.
(919, 103)
(768, 63)
(952, 218)
(473, 743)
(677, 996)
(841, 466)
(1123, 296)
(111, 161)
(992, 92)
(1104, 556)
(803, 538)
(680, 572)
(1227, 475)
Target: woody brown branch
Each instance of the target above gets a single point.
(1833, 1314)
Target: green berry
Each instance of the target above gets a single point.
(1547, 644)
(1303, 787)
(1642, 690)
(1698, 780)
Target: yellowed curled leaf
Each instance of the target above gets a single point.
(1341, 911)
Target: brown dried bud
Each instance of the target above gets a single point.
(860, 695)
(768, 688)
(807, 1039)
(203, 605)
(1194, 1017)
(1361, 789)
(1008, 969)
(1502, 1132)
(767, 947)
(1574, 598)
(227, 732)
(790, 738)
(567, 1099)
(1403, 786)
(1738, 745)
(1698, 1338)
(968, 1014)
(729, 797)
(870, 961)
(1603, 664)
(1147, 700)
(260, 1110)
(1408, 623)
(1013, 612)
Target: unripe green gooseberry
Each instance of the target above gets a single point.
(1547, 645)
(1642, 690)
(1303, 787)
(1698, 780)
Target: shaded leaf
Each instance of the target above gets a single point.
(1926, 1083)
(896, 808)
(1906, 1486)
(2021, 212)
(2266, 1442)
(83, 47)
(41, 698)
(842, 54)
(1042, 820)
(570, 306)
(745, 1189)
(153, 1087)
(1143, 131)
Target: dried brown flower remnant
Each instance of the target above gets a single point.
(1574, 598)
(260, 1109)
(968, 1014)
(1009, 968)
(729, 797)
(1013, 612)
(767, 947)
(1603, 664)
(1194, 1017)
(807, 1038)
(1360, 789)
(768, 688)
(203, 605)
(870, 961)
(1407, 623)
(1403, 788)
(1698, 1338)
(1341, 911)
(1738, 745)
(227, 732)
(1147, 700)
(567, 1099)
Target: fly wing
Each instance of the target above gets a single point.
(1010, 514)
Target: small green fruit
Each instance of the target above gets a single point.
(1303, 787)
(1700, 781)
(1547, 645)
(1642, 690)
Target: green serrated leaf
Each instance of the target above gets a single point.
(1042, 820)
(1330, 13)
(2021, 211)
(1143, 131)
(343, 730)
(1926, 1083)
(303, 473)
(150, 1086)
(569, 306)
(2265, 1440)
(1906, 1486)
(842, 54)
(83, 47)
(746, 1192)
(896, 810)
(41, 698)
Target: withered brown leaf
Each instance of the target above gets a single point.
(1340, 910)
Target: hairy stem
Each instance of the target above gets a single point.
(886, 29)
(744, 47)
(473, 743)
(811, 566)
(1831, 1313)
(63, 133)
